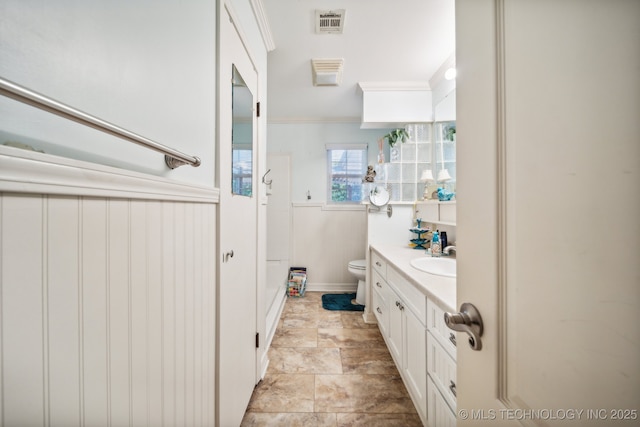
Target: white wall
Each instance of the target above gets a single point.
(306, 143)
(147, 66)
(323, 239)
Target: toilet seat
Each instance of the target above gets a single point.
(359, 264)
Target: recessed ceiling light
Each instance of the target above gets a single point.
(450, 74)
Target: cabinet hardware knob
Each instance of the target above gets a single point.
(452, 387)
(378, 284)
(378, 264)
(452, 338)
(378, 310)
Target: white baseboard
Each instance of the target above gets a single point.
(332, 287)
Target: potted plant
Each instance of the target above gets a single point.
(395, 136)
(449, 132)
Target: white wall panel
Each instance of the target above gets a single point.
(107, 309)
(139, 312)
(95, 378)
(63, 309)
(325, 240)
(118, 334)
(154, 315)
(24, 381)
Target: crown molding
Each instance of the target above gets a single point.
(263, 24)
(393, 86)
(312, 120)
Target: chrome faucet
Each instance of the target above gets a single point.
(448, 249)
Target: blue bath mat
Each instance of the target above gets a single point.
(340, 302)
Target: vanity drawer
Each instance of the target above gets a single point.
(381, 311)
(379, 264)
(441, 367)
(412, 297)
(436, 325)
(379, 284)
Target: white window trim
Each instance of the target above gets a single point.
(341, 146)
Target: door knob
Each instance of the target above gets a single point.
(467, 320)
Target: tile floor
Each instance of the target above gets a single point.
(329, 368)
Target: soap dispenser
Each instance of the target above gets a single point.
(436, 247)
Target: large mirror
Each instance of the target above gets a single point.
(241, 137)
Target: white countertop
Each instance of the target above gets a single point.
(441, 290)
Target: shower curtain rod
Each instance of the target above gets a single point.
(173, 158)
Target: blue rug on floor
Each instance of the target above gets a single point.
(340, 302)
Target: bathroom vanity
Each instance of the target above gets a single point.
(409, 307)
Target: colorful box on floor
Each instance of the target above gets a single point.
(297, 282)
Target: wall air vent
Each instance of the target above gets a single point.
(329, 21)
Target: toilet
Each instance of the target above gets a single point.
(359, 270)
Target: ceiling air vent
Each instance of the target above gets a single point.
(329, 21)
(327, 72)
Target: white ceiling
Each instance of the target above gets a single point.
(383, 41)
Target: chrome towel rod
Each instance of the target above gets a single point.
(173, 158)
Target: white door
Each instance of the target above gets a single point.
(548, 132)
(237, 289)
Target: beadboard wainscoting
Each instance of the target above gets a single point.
(107, 303)
(325, 238)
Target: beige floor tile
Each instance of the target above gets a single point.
(379, 420)
(257, 419)
(345, 338)
(283, 393)
(305, 361)
(312, 319)
(367, 361)
(329, 368)
(288, 337)
(361, 393)
(301, 306)
(353, 319)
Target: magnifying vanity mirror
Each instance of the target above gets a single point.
(379, 197)
(242, 137)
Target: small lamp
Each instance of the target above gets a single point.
(427, 177)
(443, 176)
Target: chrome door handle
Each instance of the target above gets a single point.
(467, 320)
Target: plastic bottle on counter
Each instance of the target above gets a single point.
(436, 247)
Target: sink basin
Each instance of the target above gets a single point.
(439, 266)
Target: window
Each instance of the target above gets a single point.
(346, 166)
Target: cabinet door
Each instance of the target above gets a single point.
(396, 317)
(440, 414)
(415, 360)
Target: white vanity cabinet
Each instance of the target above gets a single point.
(401, 312)
(422, 346)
